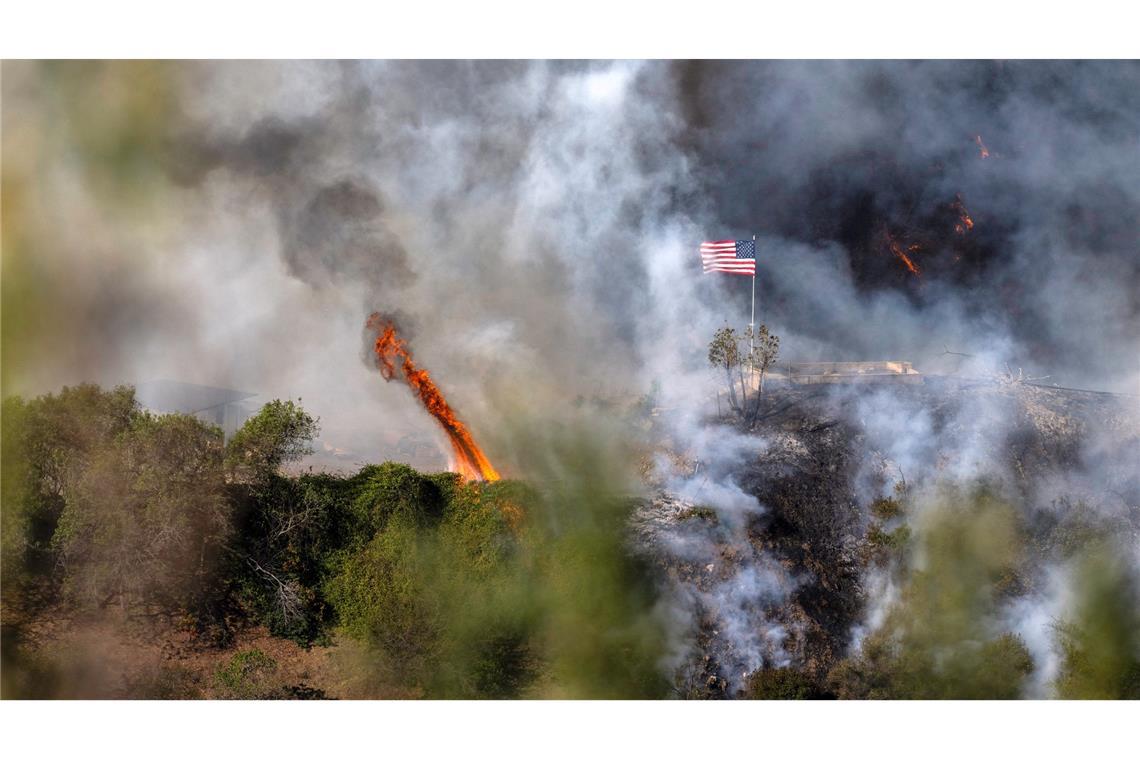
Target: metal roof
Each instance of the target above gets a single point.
(187, 398)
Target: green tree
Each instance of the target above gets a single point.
(146, 518)
(281, 432)
(47, 443)
(764, 348)
(724, 353)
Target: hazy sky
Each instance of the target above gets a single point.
(535, 225)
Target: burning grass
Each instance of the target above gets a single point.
(965, 222)
(904, 252)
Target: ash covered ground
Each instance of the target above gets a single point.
(779, 540)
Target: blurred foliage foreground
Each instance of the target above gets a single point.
(443, 589)
(431, 587)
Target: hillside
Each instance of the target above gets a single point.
(840, 477)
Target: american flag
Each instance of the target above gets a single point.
(730, 256)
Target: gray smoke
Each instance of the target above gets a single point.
(539, 222)
(556, 207)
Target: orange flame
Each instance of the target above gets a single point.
(965, 223)
(985, 153)
(902, 254)
(470, 461)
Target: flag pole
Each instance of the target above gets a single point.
(752, 323)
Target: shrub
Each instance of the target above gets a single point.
(247, 675)
(894, 540)
(144, 519)
(396, 491)
(936, 641)
(379, 598)
(290, 531)
(886, 508)
(46, 444)
(279, 433)
(1099, 639)
(781, 683)
(434, 592)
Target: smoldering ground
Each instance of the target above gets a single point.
(233, 224)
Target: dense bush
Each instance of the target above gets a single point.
(451, 589)
(1100, 638)
(942, 639)
(781, 683)
(47, 444)
(434, 592)
(108, 504)
(247, 675)
(144, 520)
(279, 433)
(288, 532)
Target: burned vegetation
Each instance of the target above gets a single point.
(903, 541)
(950, 539)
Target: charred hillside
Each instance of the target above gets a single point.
(782, 538)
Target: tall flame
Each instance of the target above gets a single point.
(470, 461)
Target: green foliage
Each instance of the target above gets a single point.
(143, 521)
(503, 666)
(379, 598)
(894, 540)
(279, 433)
(20, 501)
(724, 349)
(886, 508)
(408, 593)
(992, 668)
(486, 590)
(111, 504)
(942, 640)
(781, 683)
(885, 545)
(601, 637)
(1100, 639)
(247, 675)
(290, 531)
(735, 354)
(764, 348)
(47, 443)
(393, 491)
(724, 353)
(1071, 530)
(500, 585)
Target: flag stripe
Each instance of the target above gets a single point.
(729, 257)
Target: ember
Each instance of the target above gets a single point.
(470, 461)
(903, 253)
(965, 223)
(982, 150)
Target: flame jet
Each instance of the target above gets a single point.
(470, 460)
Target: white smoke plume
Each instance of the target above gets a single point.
(539, 222)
